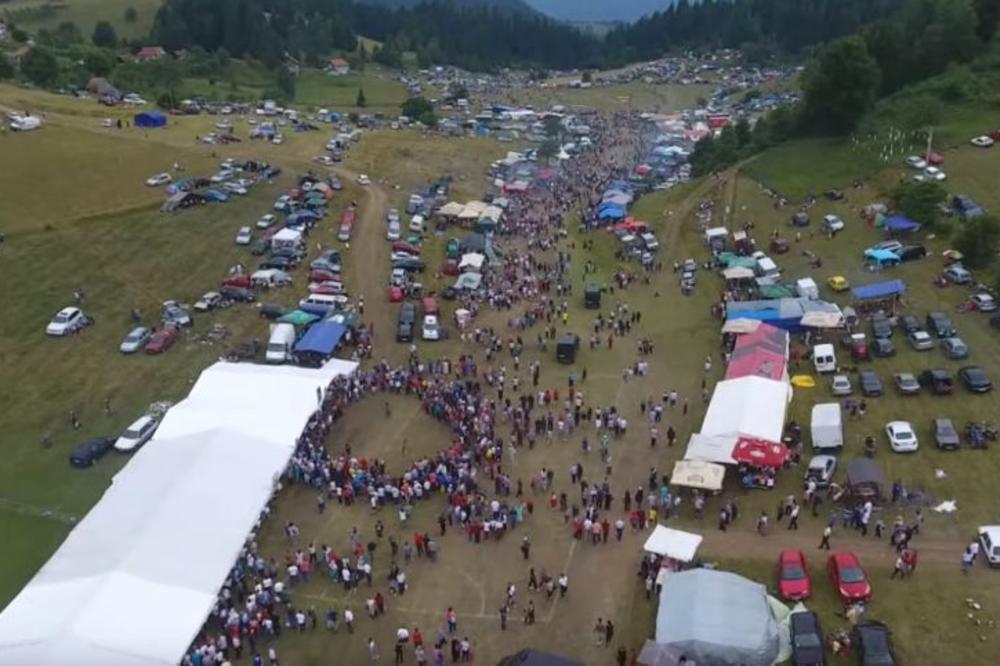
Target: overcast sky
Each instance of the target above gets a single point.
(598, 10)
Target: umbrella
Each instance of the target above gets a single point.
(759, 453)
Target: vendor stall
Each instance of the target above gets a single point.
(698, 474)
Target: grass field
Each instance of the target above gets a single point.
(85, 13)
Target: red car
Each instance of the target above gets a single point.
(161, 340)
(793, 577)
(320, 275)
(403, 246)
(849, 578)
(242, 281)
(395, 294)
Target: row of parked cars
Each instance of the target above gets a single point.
(89, 452)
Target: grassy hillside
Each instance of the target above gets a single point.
(35, 14)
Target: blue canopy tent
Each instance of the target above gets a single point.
(317, 345)
(878, 290)
(882, 257)
(900, 223)
(610, 212)
(301, 218)
(150, 119)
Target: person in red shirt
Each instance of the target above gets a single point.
(418, 639)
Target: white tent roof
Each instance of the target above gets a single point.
(740, 325)
(451, 209)
(473, 260)
(492, 213)
(675, 544)
(716, 231)
(136, 578)
(287, 234)
(717, 449)
(699, 474)
(472, 210)
(737, 273)
(752, 406)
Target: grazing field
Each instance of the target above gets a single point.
(383, 92)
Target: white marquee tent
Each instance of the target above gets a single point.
(675, 544)
(136, 578)
(752, 406)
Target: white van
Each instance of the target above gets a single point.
(824, 358)
(807, 288)
(827, 427)
(280, 344)
(322, 302)
(417, 224)
(766, 268)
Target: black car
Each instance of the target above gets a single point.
(800, 219)
(280, 262)
(938, 324)
(911, 252)
(881, 326)
(975, 379)
(874, 644)
(409, 264)
(294, 254)
(238, 294)
(882, 347)
(259, 247)
(406, 322)
(807, 639)
(909, 324)
(871, 385)
(940, 382)
(272, 311)
(89, 452)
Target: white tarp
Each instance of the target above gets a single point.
(472, 210)
(741, 325)
(752, 406)
(718, 449)
(675, 544)
(821, 319)
(472, 260)
(699, 474)
(136, 578)
(737, 273)
(451, 209)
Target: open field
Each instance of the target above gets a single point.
(664, 98)
(85, 13)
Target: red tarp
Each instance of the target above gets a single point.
(758, 362)
(759, 453)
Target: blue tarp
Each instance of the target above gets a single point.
(879, 290)
(611, 213)
(882, 256)
(900, 223)
(321, 338)
(150, 119)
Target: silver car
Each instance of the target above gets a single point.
(135, 340)
(841, 385)
(921, 340)
(954, 348)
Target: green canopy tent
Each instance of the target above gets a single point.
(298, 318)
(775, 291)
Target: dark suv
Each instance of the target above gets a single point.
(406, 322)
(938, 324)
(940, 382)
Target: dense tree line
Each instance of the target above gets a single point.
(758, 26)
(440, 33)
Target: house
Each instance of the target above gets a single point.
(149, 53)
(339, 67)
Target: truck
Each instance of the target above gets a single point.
(280, 343)
(826, 426)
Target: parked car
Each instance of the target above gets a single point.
(920, 340)
(259, 247)
(137, 434)
(975, 379)
(967, 207)
(266, 221)
(238, 294)
(244, 236)
(982, 141)
(409, 264)
(939, 381)
(931, 174)
(989, 542)
(175, 315)
(832, 224)
(909, 324)
(90, 451)
(945, 435)
(821, 470)
(158, 179)
(431, 330)
(889, 245)
(793, 576)
(940, 325)
(902, 439)
(871, 385)
(161, 340)
(208, 301)
(849, 579)
(883, 347)
(807, 639)
(915, 162)
(906, 383)
(280, 262)
(364, 180)
(393, 231)
(881, 327)
(392, 215)
(954, 348)
(957, 274)
(800, 219)
(983, 302)
(874, 644)
(67, 322)
(841, 385)
(406, 322)
(135, 340)
(911, 252)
